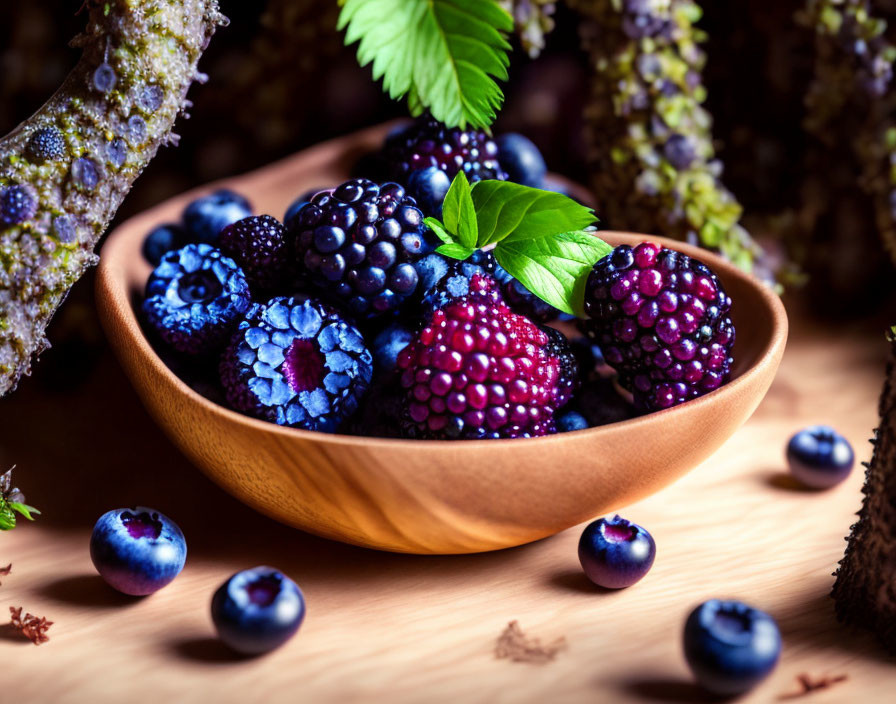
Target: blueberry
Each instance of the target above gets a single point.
(428, 187)
(570, 420)
(820, 457)
(522, 161)
(205, 217)
(616, 553)
(137, 551)
(730, 647)
(161, 240)
(257, 610)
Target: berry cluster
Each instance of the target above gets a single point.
(345, 319)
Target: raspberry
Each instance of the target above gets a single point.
(296, 362)
(259, 245)
(661, 320)
(195, 297)
(427, 143)
(358, 245)
(478, 370)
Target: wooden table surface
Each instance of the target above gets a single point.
(398, 628)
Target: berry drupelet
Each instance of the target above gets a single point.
(478, 370)
(661, 320)
(195, 297)
(296, 362)
(427, 143)
(260, 246)
(358, 245)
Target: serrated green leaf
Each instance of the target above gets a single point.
(455, 250)
(508, 211)
(439, 230)
(24, 509)
(445, 55)
(458, 212)
(554, 268)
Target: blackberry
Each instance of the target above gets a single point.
(195, 297)
(260, 246)
(427, 143)
(661, 320)
(358, 245)
(296, 362)
(478, 370)
(558, 347)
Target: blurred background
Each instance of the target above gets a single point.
(280, 80)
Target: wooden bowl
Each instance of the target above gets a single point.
(427, 496)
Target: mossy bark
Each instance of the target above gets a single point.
(65, 171)
(865, 589)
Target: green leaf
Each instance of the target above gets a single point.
(507, 211)
(458, 212)
(7, 517)
(439, 230)
(554, 268)
(455, 251)
(24, 509)
(445, 55)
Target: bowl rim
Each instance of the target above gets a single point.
(113, 290)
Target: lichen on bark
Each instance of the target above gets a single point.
(865, 589)
(65, 170)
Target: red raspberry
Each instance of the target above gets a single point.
(479, 370)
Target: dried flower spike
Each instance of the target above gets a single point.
(515, 645)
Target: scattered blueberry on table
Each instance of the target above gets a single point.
(616, 553)
(730, 646)
(257, 610)
(819, 457)
(137, 551)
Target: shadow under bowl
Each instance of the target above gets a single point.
(435, 497)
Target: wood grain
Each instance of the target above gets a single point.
(428, 496)
(397, 628)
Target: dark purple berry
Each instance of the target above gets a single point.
(17, 204)
(358, 244)
(820, 457)
(730, 646)
(616, 553)
(205, 217)
(428, 187)
(427, 143)
(259, 245)
(297, 205)
(661, 320)
(137, 551)
(195, 297)
(257, 610)
(46, 144)
(161, 240)
(478, 370)
(296, 362)
(568, 421)
(521, 160)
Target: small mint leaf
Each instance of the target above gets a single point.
(554, 268)
(508, 211)
(455, 251)
(459, 213)
(438, 230)
(24, 509)
(7, 517)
